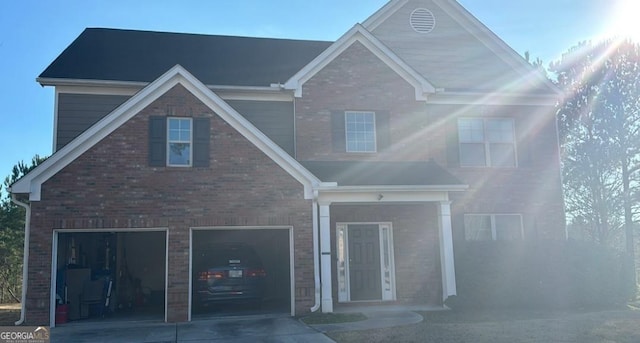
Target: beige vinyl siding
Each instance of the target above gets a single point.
(450, 57)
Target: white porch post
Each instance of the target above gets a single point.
(446, 251)
(325, 251)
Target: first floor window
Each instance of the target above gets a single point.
(179, 142)
(484, 227)
(360, 130)
(486, 142)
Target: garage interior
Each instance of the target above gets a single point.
(110, 276)
(273, 249)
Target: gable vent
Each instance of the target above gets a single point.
(422, 20)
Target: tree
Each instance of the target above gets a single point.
(599, 124)
(12, 236)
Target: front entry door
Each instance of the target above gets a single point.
(364, 262)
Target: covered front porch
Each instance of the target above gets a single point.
(390, 247)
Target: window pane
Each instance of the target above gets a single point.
(179, 153)
(470, 130)
(500, 130)
(472, 155)
(508, 227)
(477, 227)
(502, 155)
(360, 131)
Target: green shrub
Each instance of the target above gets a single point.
(539, 274)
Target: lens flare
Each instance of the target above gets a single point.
(624, 22)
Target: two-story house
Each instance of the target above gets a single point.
(353, 168)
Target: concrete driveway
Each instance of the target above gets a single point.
(229, 329)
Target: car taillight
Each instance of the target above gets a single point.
(210, 275)
(256, 273)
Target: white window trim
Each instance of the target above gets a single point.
(487, 143)
(492, 217)
(169, 141)
(375, 133)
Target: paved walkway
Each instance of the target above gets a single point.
(260, 328)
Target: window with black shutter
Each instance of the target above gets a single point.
(179, 141)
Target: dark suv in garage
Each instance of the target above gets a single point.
(228, 272)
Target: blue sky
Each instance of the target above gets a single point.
(33, 33)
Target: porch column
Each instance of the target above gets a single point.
(325, 261)
(446, 251)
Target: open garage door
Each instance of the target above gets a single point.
(114, 275)
(241, 271)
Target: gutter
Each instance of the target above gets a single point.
(25, 261)
(316, 262)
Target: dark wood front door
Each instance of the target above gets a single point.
(364, 262)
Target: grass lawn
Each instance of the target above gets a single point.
(509, 326)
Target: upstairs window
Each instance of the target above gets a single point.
(485, 142)
(360, 130)
(179, 142)
(485, 227)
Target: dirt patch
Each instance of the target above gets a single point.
(619, 326)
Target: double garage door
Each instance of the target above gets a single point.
(122, 274)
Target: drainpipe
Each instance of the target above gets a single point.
(25, 261)
(316, 263)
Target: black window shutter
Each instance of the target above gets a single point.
(382, 130)
(157, 141)
(201, 139)
(453, 150)
(338, 131)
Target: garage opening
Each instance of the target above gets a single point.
(110, 276)
(240, 272)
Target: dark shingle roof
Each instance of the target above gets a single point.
(129, 55)
(351, 173)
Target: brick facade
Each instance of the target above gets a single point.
(111, 186)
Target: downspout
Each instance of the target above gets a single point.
(25, 261)
(316, 262)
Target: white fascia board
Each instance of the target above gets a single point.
(359, 34)
(493, 42)
(381, 196)
(32, 182)
(387, 188)
(105, 87)
(46, 81)
(495, 98)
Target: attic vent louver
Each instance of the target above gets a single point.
(422, 20)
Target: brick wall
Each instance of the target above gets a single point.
(111, 186)
(358, 80)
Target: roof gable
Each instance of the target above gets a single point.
(359, 34)
(32, 182)
(460, 54)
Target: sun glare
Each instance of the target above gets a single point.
(624, 21)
